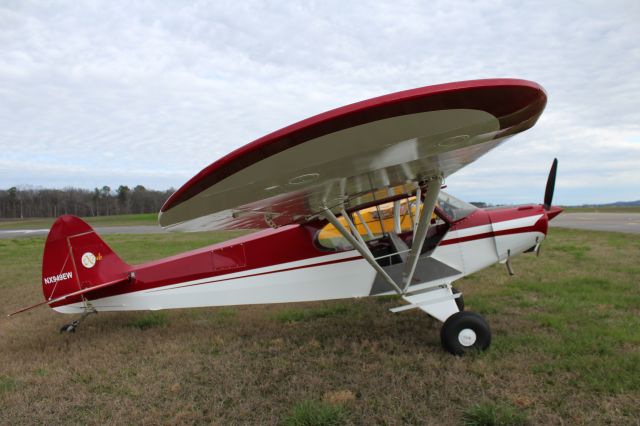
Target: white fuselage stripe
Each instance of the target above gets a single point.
(497, 226)
(264, 270)
(317, 278)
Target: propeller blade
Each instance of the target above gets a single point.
(551, 184)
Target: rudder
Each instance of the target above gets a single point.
(75, 258)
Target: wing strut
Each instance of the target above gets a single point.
(420, 232)
(423, 219)
(397, 219)
(358, 244)
(417, 216)
(364, 223)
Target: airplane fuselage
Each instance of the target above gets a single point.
(289, 265)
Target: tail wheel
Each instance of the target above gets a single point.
(464, 332)
(459, 300)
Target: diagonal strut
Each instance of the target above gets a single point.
(420, 233)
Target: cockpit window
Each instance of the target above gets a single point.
(455, 208)
(371, 223)
(374, 223)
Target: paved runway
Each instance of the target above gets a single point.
(613, 222)
(17, 233)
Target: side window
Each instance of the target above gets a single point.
(372, 223)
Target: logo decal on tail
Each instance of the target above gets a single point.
(88, 260)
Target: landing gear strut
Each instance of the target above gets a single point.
(71, 327)
(459, 300)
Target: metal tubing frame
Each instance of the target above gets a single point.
(417, 215)
(419, 234)
(364, 223)
(352, 226)
(359, 245)
(397, 220)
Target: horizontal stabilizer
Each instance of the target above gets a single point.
(76, 293)
(77, 261)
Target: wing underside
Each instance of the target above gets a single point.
(353, 165)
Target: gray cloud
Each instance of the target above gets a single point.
(152, 92)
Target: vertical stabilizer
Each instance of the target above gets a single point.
(75, 258)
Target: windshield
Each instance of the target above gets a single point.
(455, 208)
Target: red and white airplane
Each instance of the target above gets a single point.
(324, 171)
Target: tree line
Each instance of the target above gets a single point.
(25, 203)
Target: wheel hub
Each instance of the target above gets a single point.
(467, 337)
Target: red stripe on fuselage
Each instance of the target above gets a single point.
(262, 249)
(534, 228)
(293, 243)
(496, 216)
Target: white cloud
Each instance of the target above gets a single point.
(120, 92)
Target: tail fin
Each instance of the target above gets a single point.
(75, 258)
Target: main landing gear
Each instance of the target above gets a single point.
(71, 327)
(459, 299)
(464, 332)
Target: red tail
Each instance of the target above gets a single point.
(75, 258)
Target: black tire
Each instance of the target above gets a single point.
(459, 300)
(464, 332)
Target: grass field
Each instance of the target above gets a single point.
(121, 220)
(566, 350)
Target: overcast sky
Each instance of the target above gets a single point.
(149, 93)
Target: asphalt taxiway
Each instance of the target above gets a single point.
(101, 230)
(611, 222)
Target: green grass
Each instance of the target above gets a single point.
(7, 384)
(565, 349)
(225, 314)
(579, 252)
(313, 413)
(292, 315)
(149, 320)
(492, 414)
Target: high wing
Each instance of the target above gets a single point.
(354, 155)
